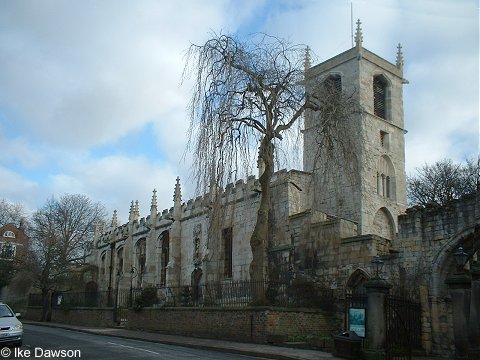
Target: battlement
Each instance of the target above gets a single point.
(437, 223)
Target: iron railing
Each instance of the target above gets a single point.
(238, 294)
(219, 294)
(71, 299)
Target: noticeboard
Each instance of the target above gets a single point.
(356, 321)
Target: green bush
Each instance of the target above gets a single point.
(147, 298)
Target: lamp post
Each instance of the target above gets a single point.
(133, 275)
(461, 258)
(459, 285)
(377, 263)
(377, 290)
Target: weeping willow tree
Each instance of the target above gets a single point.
(247, 98)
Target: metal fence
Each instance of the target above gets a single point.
(234, 294)
(70, 299)
(219, 294)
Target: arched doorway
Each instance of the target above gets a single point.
(356, 282)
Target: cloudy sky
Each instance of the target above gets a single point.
(91, 100)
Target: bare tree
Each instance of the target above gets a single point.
(247, 98)
(442, 182)
(62, 236)
(11, 213)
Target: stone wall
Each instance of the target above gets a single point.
(258, 325)
(247, 325)
(77, 316)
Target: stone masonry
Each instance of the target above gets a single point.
(328, 222)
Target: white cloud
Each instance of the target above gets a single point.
(79, 75)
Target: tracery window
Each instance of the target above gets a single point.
(120, 260)
(197, 256)
(103, 265)
(141, 255)
(164, 258)
(385, 178)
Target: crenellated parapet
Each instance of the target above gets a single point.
(434, 223)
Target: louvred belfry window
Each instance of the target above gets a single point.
(380, 97)
(333, 83)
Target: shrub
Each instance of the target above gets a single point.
(148, 297)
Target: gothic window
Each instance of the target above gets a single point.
(380, 96)
(164, 257)
(228, 252)
(120, 260)
(197, 257)
(385, 178)
(141, 252)
(103, 265)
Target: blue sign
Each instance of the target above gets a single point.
(356, 321)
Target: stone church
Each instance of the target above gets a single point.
(328, 222)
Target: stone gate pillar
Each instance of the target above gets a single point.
(474, 321)
(377, 290)
(459, 287)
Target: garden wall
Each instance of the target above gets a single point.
(258, 325)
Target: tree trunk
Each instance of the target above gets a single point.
(46, 305)
(259, 239)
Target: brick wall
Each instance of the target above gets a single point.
(78, 316)
(250, 325)
(246, 325)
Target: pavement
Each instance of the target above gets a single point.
(258, 350)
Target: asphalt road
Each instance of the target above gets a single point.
(42, 342)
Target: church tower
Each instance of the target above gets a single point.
(358, 159)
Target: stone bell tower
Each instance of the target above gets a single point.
(358, 160)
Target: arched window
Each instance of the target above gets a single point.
(380, 96)
(385, 178)
(120, 260)
(164, 257)
(141, 252)
(9, 234)
(228, 252)
(103, 269)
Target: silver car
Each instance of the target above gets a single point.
(11, 330)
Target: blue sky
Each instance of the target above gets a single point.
(91, 101)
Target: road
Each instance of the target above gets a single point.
(42, 342)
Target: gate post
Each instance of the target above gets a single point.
(377, 290)
(474, 323)
(459, 287)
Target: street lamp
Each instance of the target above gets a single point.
(461, 258)
(377, 263)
